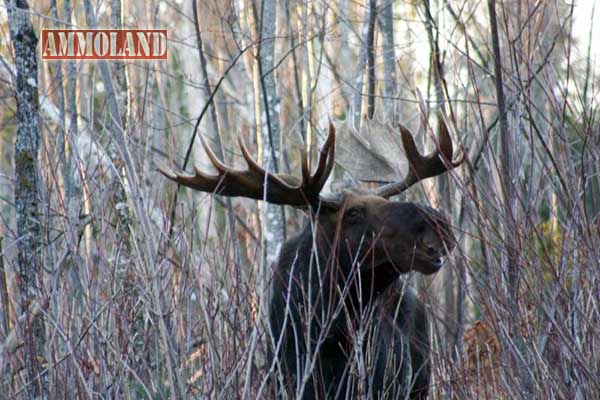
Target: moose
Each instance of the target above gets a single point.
(343, 323)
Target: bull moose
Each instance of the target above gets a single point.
(343, 324)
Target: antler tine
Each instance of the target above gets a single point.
(167, 172)
(446, 146)
(331, 160)
(256, 183)
(219, 166)
(413, 155)
(252, 165)
(199, 181)
(326, 159)
(445, 141)
(421, 167)
(304, 163)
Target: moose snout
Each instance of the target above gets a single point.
(441, 237)
(416, 234)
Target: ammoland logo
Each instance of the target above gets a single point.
(104, 44)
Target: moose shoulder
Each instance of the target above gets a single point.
(342, 324)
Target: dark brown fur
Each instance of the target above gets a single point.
(345, 278)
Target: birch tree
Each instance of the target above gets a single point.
(121, 86)
(386, 26)
(27, 198)
(274, 232)
(360, 66)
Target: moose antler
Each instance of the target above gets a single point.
(256, 183)
(421, 167)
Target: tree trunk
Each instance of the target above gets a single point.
(297, 73)
(121, 86)
(356, 108)
(304, 11)
(371, 58)
(275, 217)
(386, 26)
(26, 194)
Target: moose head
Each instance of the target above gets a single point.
(345, 262)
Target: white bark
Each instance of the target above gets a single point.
(386, 24)
(274, 228)
(121, 85)
(359, 76)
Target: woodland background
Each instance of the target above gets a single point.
(114, 285)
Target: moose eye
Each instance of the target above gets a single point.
(354, 215)
(421, 228)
